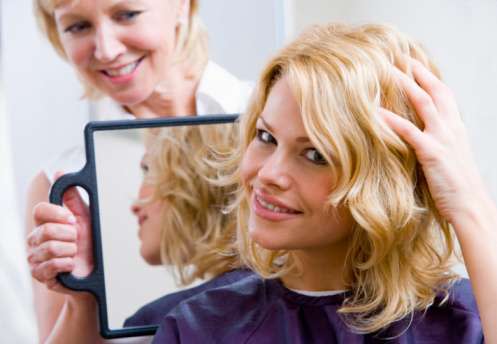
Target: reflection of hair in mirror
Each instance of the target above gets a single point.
(180, 169)
(190, 229)
(332, 199)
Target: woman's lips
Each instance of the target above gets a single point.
(270, 208)
(122, 74)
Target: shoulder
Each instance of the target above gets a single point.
(452, 319)
(461, 297)
(221, 92)
(225, 314)
(153, 312)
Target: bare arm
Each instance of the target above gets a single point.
(48, 304)
(444, 152)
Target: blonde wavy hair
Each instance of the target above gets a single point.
(191, 46)
(193, 221)
(401, 250)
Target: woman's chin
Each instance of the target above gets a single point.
(266, 240)
(151, 258)
(129, 98)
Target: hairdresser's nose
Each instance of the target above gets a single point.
(275, 171)
(108, 45)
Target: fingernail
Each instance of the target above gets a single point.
(71, 219)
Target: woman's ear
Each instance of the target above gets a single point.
(183, 12)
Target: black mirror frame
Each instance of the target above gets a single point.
(87, 179)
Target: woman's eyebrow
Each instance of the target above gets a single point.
(300, 139)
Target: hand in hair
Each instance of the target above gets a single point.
(443, 150)
(442, 147)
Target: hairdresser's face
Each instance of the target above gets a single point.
(124, 48)
(148, 215)
(289, 182)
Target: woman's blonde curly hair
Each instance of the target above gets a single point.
(193, 218)
(401, 250)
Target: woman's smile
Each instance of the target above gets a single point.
(270, 208)
(123, 73)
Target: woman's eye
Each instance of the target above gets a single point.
(265, 137)
(314, 156)
(127, 15)
(77, 27)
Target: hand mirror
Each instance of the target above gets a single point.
(134, 175)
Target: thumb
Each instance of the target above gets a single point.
(73, 201)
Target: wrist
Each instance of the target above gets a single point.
(478, 214)
(81, 301)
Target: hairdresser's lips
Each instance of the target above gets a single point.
(122, 73)
(272, 209)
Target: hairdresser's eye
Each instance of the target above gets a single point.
(78, 27)
(125, 16)
(265, 137)
(314, 156)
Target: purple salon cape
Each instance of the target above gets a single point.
(259, 311)
(153, 312)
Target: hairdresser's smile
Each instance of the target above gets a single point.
(123, 73)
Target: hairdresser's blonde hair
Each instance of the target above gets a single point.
(401, 249)
(193, 217)
(191, 47)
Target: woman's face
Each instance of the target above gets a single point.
(124, 48)
(289, 182)
(149, 218)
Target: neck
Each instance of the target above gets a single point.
(321, 270)
(174, 96)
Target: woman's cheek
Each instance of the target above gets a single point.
(79, 54)
(250, 162)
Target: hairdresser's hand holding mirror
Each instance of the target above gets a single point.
(150, 57)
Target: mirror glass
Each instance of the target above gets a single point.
(141, 194)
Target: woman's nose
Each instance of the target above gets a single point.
(275, 172)
(108, 45)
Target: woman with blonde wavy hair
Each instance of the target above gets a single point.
(355, 173)
(150, 58)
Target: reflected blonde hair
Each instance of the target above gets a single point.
(191, 45)
(401, 249)
(193, 221)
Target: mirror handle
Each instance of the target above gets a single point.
(89, 283)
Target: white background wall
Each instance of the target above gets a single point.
(17, 317)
